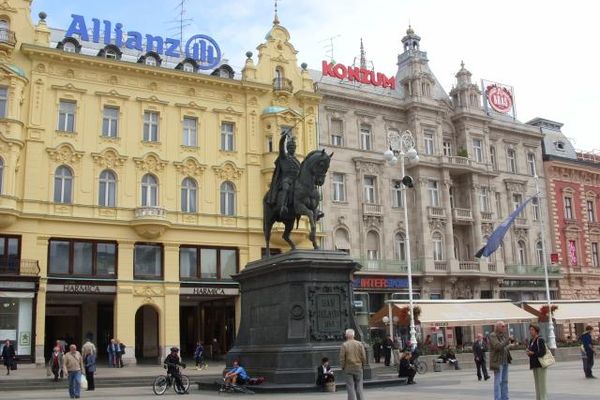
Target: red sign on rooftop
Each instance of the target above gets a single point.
(357, 74)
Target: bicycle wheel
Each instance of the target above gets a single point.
(185, 381)
(160, 385)
(421, 367)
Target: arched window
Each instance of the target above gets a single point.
(188, 195)
(63, 185)
(531, 167)
(1, 175)
(107, 189)
(150, 60)
(521, 252)
(539, 251)
(149, 191)
(438, 246)
(278, 78)
(227, 198)
(342, 240)
(400, 246)
(188, 67)
(70, 47)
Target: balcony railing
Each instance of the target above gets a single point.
(283, 84)
(151, 212)
(521, 221)
(468, 265)
(462, 214)
(8, 37)
(20, 267)
(492, 267)
(531, 270)
(372, 209)
(437, 212)
(440, 265)
(390, 266)
(458, 160)
(486, 216)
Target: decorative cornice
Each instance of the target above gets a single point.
(112, 93)
(150, 162)
(190, 167)
(228, 110)
(228, 171)
(69, 87)
(152, 99)
(191, 104)
(64, 153)
(109, 158)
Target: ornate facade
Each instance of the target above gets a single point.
(132, 191)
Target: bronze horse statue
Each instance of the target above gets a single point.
(303, 199)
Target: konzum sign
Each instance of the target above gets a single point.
(357, 74)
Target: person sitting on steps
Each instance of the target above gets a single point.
(406, 369)
(237, 375)
(324, 373)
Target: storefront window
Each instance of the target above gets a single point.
(148, 261)
(9, 315)
(82, 258)
(207, 263)
(16, 321)
(9, 254)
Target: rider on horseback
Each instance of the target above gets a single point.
(287, 168)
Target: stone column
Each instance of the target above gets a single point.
(169, 318)
(449, 229)
(40, 323)
(477, 237)
(124, 309)
(422, 244)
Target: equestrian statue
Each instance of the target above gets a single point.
(294, 191)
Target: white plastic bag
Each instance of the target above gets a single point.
(83, 382)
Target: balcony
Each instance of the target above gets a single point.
(150, 222)
(491, 267)
(283, 85)
(372, 210)
(468, 266)
(8, 40)
(390, 266)
(521, 222)
(462, 215)
(440, 266)
(20, 268)
(486, 216)
(532, 270)
(436, 212)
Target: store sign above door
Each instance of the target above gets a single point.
(357, 74)
(199, 47)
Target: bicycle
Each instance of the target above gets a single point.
(163, 382)
(421, 366)
(230, 388)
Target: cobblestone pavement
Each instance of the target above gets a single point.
(565, 382)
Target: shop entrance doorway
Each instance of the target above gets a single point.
(62, 323)
(146, 334)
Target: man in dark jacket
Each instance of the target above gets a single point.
(387, 350)
(324, 373)
(406, 368)
(588, 352)
(8, 356)
(172, 362)
(377, 349)
(479, 349)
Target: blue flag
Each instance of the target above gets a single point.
(496, 237)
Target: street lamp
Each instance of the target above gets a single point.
(551, 335)
(402, 145)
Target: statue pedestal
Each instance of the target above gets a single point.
(295, 309)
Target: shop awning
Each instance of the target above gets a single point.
(568, 311)
(20, 295)
(459, 312)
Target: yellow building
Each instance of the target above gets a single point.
(134, 185)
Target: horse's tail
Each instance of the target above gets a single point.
(298, 220)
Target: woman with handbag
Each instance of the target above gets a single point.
(536, 349)
(9, 357)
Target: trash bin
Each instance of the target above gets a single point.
(437, 365)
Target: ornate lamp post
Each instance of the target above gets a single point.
(403, 145)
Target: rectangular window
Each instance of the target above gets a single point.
(484, 199)
(369, 184)
(511, 160)
(365, 137)
(478, 150)
(82, 258)
(493, 157)
(207, 263)
(498, 205)
(447, 148)
(10, 247)
(531, 164)
(568, 208)
(66, 116)
(434, 193)
(338, 187)
(3, 101)
(595, 259)
(591, 212)
(190, 132)
(572, 253)
(337, 132)
(397, 194)
(227, 132)
(517, 200)
(535, 209)
(147, 261)
(151, 126)
(428, 141)
(110, 122)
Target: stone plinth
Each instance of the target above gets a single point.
(295, 309)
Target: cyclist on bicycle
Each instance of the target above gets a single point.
(236, 375)
(172, 363)
(199, 356)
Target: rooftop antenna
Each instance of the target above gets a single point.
(329, 47)
(180, 23)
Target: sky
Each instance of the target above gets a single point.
(547, 50)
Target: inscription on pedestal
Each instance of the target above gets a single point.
(329, 314)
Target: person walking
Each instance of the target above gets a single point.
(587, 352)
(216, 350)
(111, 350)
(73, 364)
(55, 364)
(536, 349)
(377, 347)
(388, 344)
(500, 357)
(120, 350)
(199, 356)
(9, 356)
(479, 349)
(352, 361)
(88, 347)
(89, 361)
